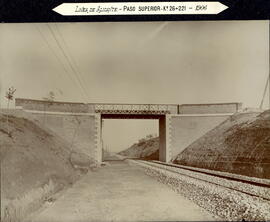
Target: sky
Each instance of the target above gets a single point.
(136, 62)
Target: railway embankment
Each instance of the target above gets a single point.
(239, 145)
(144, 149)
(35, 165)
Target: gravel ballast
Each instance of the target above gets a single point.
(218, 196)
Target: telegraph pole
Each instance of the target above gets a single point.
(267, 79)
(269, 64)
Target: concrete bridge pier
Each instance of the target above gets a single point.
(81, 124)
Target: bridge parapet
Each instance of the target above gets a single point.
(212, 108)
(114, 108)
(101, 108)
(135, 108)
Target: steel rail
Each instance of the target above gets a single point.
(211, 174)
(216, 174)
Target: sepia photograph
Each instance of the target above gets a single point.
(135, 121)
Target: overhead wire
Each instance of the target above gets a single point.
(73, 61)
(55, 54)
(53, 51)
(69, 62)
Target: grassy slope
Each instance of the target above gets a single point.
(32, 160)
(241, 145)
(147, 149)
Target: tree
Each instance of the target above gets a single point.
(150, 136)
(50, 97)
(10, 96)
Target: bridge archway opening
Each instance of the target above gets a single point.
(179, 125)
(157, 120)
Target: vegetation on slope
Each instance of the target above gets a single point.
(35, 163)
(239, 145)
(147, 148)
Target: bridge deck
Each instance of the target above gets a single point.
(125, 108)
(103, 108)
(135, 108)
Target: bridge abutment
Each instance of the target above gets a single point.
(98, 138)
(165, 138)
(194, 120)
(81, 124)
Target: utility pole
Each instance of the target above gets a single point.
(264, 92)
(268, 79)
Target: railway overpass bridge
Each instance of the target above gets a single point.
(81, 123)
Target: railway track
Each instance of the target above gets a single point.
(233, 177)
(249, 186)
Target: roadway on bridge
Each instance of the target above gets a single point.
(120, 192)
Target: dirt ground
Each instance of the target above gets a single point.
(35, 163)
(120, 192)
